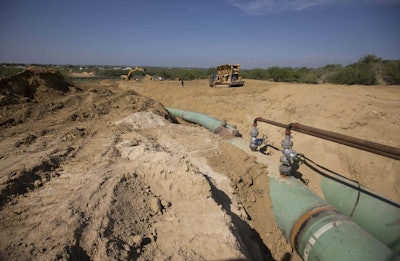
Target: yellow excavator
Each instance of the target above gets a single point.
(129, 75)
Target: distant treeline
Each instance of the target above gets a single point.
(164, 73)
(369, 70)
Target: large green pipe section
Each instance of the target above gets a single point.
(313, 227)
(294, 204)
(204, 120)
(381, 218)
(376, 214)
(317, 230)
(292, 201)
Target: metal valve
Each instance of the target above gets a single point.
(255, 142)
(290, 160)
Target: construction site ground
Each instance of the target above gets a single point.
(99, 170)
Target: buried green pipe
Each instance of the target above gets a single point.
(212, 124)
(313, 227)
(317, 230)
(204, 120)
(378, 217)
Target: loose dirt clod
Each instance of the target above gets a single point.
(155, 205)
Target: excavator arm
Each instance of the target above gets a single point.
(129, 75)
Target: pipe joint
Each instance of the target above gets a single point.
(287, 143)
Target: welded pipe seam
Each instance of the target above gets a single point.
(303, 220)
(316, 235)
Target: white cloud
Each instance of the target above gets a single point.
(259, 7)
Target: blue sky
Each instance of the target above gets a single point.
(172, 33)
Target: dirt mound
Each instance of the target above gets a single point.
(101, 172)
(107, 175)
(57, 98)
(34, 83)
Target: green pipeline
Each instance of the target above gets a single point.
(204, 120)
(372, 212)
(317, 230)
(313, 227)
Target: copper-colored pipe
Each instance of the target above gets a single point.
(377, 148)
(270, 122)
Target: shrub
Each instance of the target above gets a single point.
(354, 75)
(257, 74)
(286, 74)
(362, 72)
(391, 72)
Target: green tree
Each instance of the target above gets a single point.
(362, 72)
(391, 72)
(286, 74)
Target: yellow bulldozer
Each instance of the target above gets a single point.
(129, 75)
(227, 75)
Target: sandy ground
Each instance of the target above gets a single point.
(101, 171)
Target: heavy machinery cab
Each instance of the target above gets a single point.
(227, 75)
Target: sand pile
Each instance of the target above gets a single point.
(108, 174)
(82, 74)
(35, 84)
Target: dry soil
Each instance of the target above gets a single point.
(99, 170)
